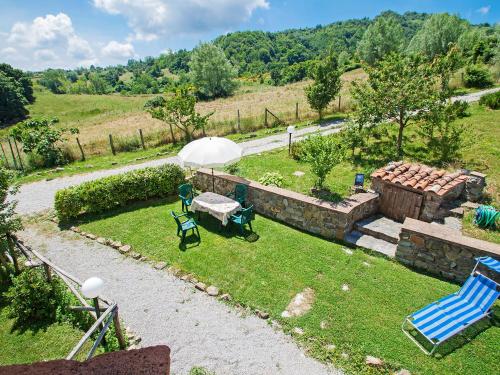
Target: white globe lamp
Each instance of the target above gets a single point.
(92, 287)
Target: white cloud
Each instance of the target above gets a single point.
(151, 18)
(118, 50)
(484, 10)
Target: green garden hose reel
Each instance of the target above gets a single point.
(487, 217)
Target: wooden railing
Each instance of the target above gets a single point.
(103, 316)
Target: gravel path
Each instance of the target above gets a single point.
(200, 330)
(39, 196)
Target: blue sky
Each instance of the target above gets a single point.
(68, 33)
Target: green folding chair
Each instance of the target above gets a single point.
(186, 194)
(185, 226)
(245, 216)
(239, 194)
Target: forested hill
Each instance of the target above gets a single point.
(257, 52)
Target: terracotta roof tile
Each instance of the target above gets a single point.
(420, 177)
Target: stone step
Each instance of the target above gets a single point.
(380, 227)
(372, 243)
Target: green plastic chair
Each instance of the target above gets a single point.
(245, 216)
(184, 226)
(186, 193)
(239, 194)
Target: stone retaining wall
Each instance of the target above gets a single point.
(330, 220)
(442, 251)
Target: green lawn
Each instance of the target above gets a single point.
(52, 342)
(266, 274)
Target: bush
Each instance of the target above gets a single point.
(115, 191)
(271, 179)
(32, 300)
(477, 76)
(297, 151)
(491, 100)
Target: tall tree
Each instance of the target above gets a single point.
(382, 37)
(12, 100)
(22, 78)
(397, 89)
(326, 84)
(437, 35)
(211, 72)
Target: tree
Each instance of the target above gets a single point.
(326, 84)
(444, 136)
(445, 66)
(437, 35)
(12, 100)
(477, 76)
(396, 90)
(382, 37)
(41, 138)
(179, 110)
(211, 72)
(22, 78)
(322, 153)
(54, 80)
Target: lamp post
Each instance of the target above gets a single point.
(91, 288)
(290, 130)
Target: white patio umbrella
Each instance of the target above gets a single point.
(210, 152)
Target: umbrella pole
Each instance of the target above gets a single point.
(213, 181)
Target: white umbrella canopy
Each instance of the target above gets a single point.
(210, 152)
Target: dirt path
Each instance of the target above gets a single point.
(161, 309)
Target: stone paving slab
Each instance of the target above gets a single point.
(372, 243)
(380, 227)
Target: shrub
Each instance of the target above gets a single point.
(271, 179)
(477, 76)
(115, 191)
(32, 300)
(491, 100)
(297, 151)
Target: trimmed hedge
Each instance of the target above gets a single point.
(114, 191)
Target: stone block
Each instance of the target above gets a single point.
(417, 240)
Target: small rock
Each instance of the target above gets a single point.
(59, 169)
(345, 287)
(116, 244)
(403, 371)
(185, 277)
(160, 265)
(91, 236)
(200, 286)
(125, 249)
(212, 291)
(135, 255)
(33, 263)
(298, 173)
(143, 259)
(174, 271)
(226, 297)
(84, 234)
(323, 324)
(347, 251)
(55, 220)
(298, 331)
(331, 347)
(192, 279)
(344, 355)
(373, 361)
(137, 340)
(262, 314)
(102, 240)
(75, 229)
(366, 264)
(132, 347)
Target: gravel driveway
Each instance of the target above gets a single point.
(162, 309)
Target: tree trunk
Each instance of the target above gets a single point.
(400, 139)
(172, 134)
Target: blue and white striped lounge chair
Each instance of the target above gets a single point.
(452, 314)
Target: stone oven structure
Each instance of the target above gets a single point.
(421, 192)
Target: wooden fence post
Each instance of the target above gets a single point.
(297, 111)
(239, 124)
(172, 134)
(142, 139)
(265, 117)
(12, 152)
(5, 156)
(112, 145)
(19, 155)
(118, 330)
(339, 102)
(48, 274)
(81, 149)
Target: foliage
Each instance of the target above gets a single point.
(444, 66)
(397, 88)
(477, 45)
(354, 136)
(40, 137)
(326, 85)
(323, 153)
(12, 100)
(437, 34)
(200, 371)
(477, 76)
(444, 137)
(9, 222)
(491, 100)
(382, 37)
(271, 179)
(55, 80)
(297, 151)
(32, 300)
(211, 72)
(179, 110)
(106, 193)
(21, 78)
(232, 168)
